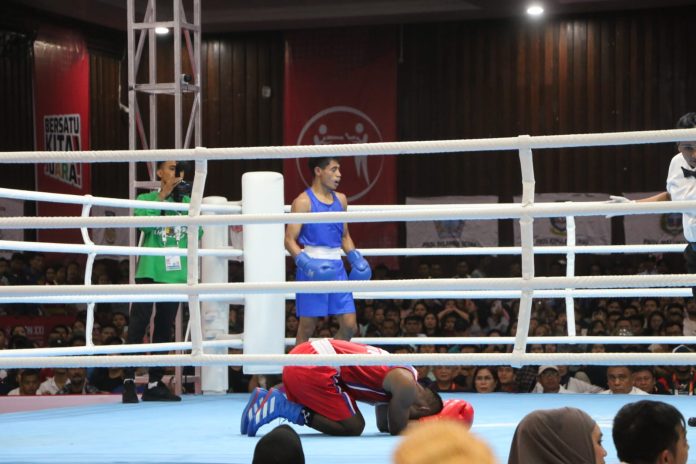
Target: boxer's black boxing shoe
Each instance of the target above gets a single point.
(159, 392)
(129, 394)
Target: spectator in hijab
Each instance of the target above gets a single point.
(557, 436)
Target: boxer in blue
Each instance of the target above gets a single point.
(316, 249)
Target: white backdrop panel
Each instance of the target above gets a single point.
(590, 230)
(642, 229)
(456, 234)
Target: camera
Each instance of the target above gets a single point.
(183, 188)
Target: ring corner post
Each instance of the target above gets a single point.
(215, 314)
(264, 261)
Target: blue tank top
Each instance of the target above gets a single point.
(327, 235)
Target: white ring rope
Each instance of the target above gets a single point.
(540, 250)
(558, 340)
(15, 194)
(358, 149)
(236, 341)
(256, 288)
(232, 207)
(499, 211)
(109, 298)
(421, 359)
(113, 249)
(235, 252)
(527, 288)
(475, 295)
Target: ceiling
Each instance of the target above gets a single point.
(244, 15)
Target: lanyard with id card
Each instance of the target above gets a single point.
(172, 263)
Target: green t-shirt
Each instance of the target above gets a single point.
(158, 268)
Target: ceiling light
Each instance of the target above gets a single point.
(161, 30)
(535, 10)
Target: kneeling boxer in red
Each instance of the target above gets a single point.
(324, 397)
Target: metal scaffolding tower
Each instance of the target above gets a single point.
(186, 78)
(181, 82)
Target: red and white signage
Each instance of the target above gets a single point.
(61, 65)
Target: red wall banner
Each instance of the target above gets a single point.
(37, 327)
(340, 87)
(61, 119)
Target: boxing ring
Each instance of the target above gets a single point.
(205, 428)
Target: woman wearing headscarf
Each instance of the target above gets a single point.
(557, 436)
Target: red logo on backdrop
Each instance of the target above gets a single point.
(342, 125)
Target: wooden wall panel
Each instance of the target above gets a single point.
(235, 114)
(234, 70)
(108, 122)
(594, 73)
(16, 115)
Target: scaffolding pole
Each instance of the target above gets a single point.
(156, 15)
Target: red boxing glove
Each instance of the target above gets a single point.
(458, 410)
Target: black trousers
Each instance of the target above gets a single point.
(690, 258)
(139, 320)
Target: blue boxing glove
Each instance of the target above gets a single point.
(317, 269)
(359, 267)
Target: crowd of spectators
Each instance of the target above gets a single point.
(625, 317)
(110, 325)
